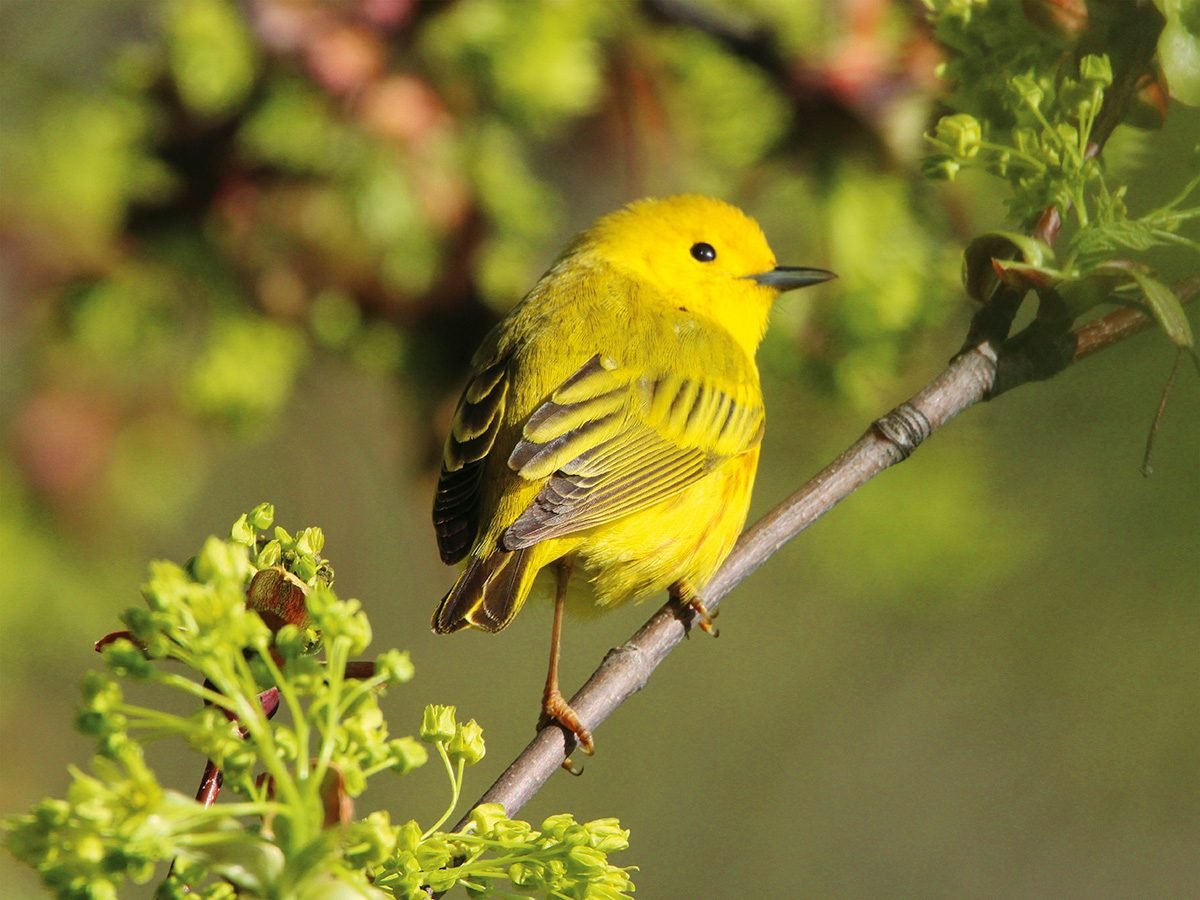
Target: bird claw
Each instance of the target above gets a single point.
(556, 710)
(702, 617)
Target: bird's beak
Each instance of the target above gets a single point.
(788, 278)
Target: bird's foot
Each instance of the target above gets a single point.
(702, 616)
(555, 709)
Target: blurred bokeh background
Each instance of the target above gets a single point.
(246, 251)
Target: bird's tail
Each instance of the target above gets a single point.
(488, 593)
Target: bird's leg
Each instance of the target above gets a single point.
(685, 595)
(554, 707)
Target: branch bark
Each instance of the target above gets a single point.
(968, 379)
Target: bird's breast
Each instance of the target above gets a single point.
(686, 536)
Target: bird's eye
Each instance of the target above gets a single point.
(703, 252)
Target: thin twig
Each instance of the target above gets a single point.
(966, 381)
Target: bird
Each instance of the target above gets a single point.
(611, 423)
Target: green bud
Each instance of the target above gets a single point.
(242, 532)
(269, 555)
(311, 541)
(408, 836)
(527, 875)
(962, 133)
(94, 723)
(556, 826)
(370, 841)
(100, 693)
(262, 516)
(614, 884)
(126, 659)
(467, 743)
(407, 754)
(1026, 140)
(607, 835)
(433, 854)
(1027, 90)
(305, 568)
(220, 561)
(585, 860)
(438, 723)
(115, 744)
(486, 816)
(1069, 135)
(512, 832)
(394, 667)
(1096, 70)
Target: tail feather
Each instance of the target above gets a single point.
(488, 594)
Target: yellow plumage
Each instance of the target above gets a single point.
(612, 420)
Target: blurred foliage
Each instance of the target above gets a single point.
(211, 210)
(217, 192)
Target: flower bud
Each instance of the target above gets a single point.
(437, 723)
(607, 835)
(486, 816)
(467, 743)
(962, 133)
(1027, 89)
(406, 754)
(1096, 70)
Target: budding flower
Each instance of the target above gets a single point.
(406, 754)
(1027, 89)
(1096, 70)
(437, 723)
(486, 816)
(262, 516)
(962, 133)
(607, 835)
(467, 743)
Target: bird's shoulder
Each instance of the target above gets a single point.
(596, 309)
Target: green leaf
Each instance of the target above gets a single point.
(979, 273)
(1159, 301)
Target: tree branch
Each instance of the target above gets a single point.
(967, 380)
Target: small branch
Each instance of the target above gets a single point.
(966, 381)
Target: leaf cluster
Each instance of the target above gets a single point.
(289, 830)
(1030, 101)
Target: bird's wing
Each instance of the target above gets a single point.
(472, 434)
(613, 440)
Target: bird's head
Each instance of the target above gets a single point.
(699, 254)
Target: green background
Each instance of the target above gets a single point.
(245, 259)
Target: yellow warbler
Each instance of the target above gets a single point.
(612, 421)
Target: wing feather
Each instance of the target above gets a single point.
(611, 441)
(473, 432)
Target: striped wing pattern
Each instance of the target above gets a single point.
(472, 434)
(611, 441)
